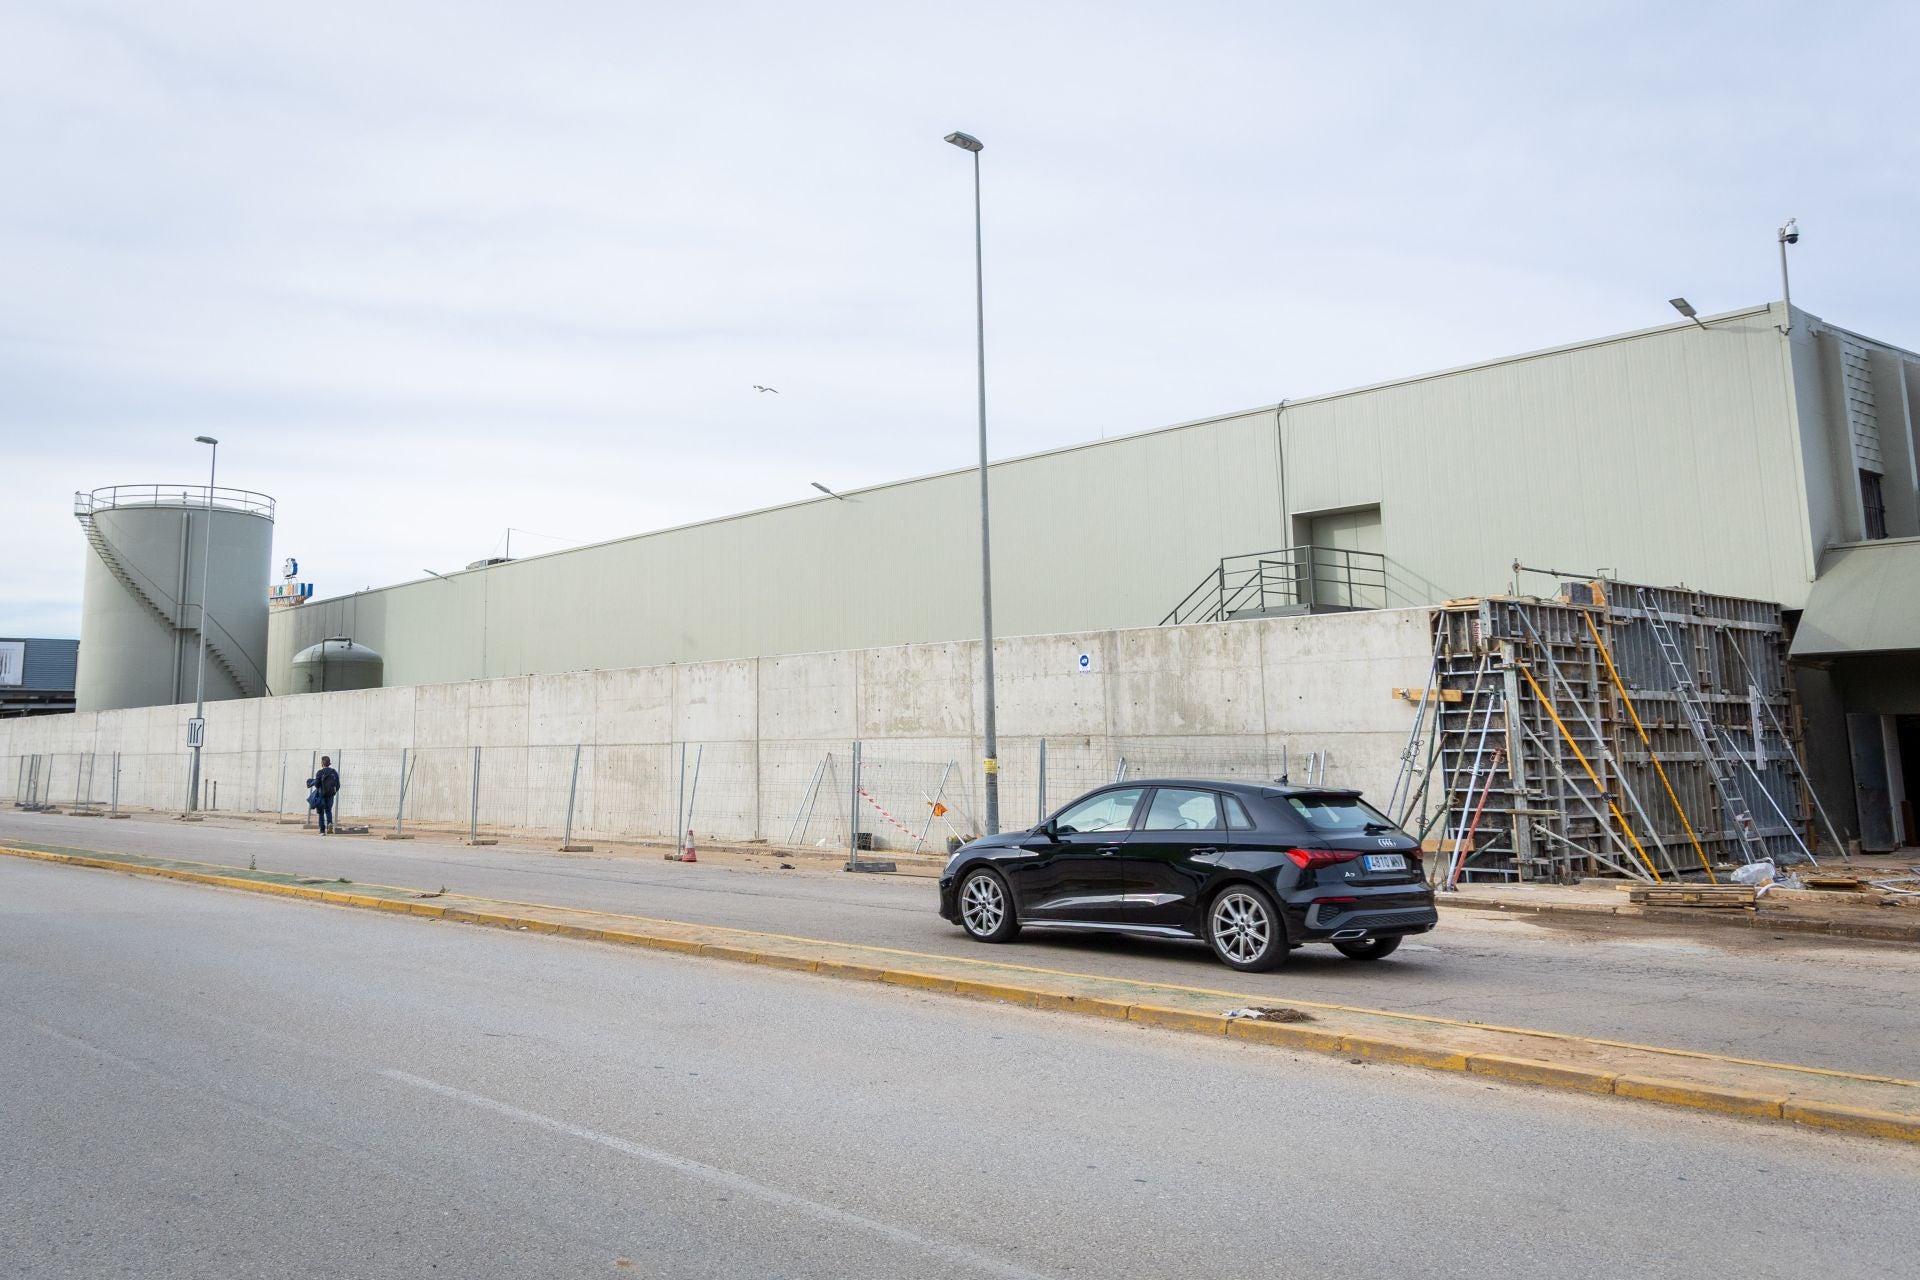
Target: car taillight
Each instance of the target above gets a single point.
(1312, 859)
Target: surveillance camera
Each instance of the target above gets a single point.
(1791, 232)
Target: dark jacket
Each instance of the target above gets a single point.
(328, 780)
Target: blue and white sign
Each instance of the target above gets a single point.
(289, 568)
(1085, 662)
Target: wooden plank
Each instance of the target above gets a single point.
(1693, 895)
(1421, 695)
(1845, 883)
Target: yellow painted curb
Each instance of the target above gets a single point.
(856, 972)
(720, 951)
(773, 960)
(1499, 1066)
(1001, 992)
(1290, 1035)
(1379, 1049)
(1831, 1115)
(920, 981)
(1680, 1093)
(1153, 1015)
(1080, 1004)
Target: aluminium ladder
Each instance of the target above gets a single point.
(1700, 719)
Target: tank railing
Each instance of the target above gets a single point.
(245, 501)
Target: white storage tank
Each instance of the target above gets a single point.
(336, 664)
(140, 612)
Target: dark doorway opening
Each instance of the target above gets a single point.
(1907, 801)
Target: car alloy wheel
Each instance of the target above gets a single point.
(1245, 930)
(985, 911)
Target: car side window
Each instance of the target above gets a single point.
(1178, 809)
(1237, 819)
(1108, 811)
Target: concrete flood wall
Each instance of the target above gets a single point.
(771, 736)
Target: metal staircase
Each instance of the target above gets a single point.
(1292, 580)
(167, 615)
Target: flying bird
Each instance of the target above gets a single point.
(758, 387)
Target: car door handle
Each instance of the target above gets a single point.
(1194, 853)
(1108, 850)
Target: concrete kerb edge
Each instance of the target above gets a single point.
(1896, 933)
(1833, 1117)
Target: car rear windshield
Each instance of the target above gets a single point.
(1337, 812)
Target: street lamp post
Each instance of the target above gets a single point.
(967, 142)
(200, 679)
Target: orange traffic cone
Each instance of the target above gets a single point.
(686, 848)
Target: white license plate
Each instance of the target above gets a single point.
(1386, 862)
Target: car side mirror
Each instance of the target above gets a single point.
(1048, 829)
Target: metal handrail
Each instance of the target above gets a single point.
(245, 501)
(1304, 575)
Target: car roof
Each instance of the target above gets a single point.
(1272, 788)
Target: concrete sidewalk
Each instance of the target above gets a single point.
(1856, 1103)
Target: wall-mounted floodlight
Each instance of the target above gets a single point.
(1685, 308)
(431, 574)
(830, 493)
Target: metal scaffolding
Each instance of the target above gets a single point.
(1647, 732)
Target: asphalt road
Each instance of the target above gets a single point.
(1848, 1006)
(203, 1084)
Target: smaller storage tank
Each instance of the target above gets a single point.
(336, 664)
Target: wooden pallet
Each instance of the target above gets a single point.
(1693, 895)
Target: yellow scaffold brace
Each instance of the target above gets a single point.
(1641, 729)
(1599, 786)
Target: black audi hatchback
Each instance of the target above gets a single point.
(1252, 869)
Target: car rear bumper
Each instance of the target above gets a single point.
(1371, 916)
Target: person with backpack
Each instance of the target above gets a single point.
(325, 786)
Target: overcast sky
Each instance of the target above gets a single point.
(430, 270)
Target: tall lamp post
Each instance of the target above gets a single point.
(967, 142)
(1789, 234)
(200, 679)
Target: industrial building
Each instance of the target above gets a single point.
(1730, 456)
(1761, 455)
(36, 676)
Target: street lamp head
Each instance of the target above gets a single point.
(1790, 234)
(205, 440)
(965, 141)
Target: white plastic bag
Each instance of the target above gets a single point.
(1760, 872)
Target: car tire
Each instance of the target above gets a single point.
(1245, 929)
(1368, 948)
(986, 907)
